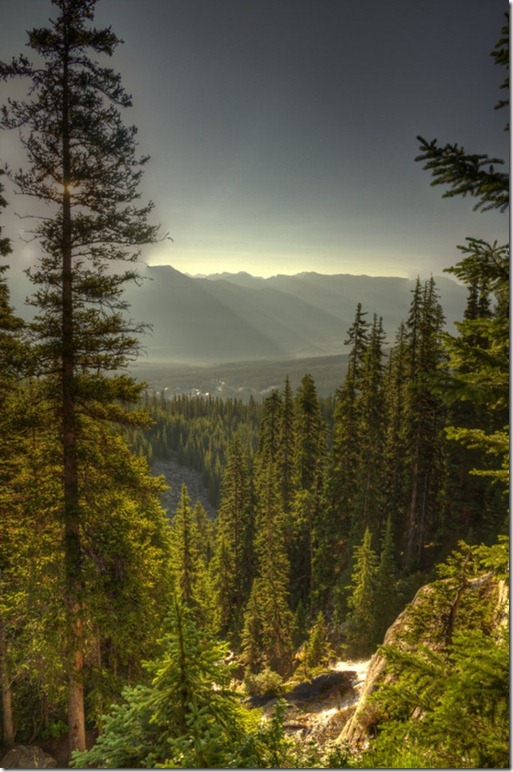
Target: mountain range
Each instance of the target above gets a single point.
(236, 317)
(239, 318)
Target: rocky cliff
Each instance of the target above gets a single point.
(360, 726)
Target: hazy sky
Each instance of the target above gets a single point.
(282, 133)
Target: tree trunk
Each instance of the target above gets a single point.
(8, 732)
(72, 540)
(76, 714)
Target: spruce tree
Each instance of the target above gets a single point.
(268, 614)
(186, 717)
(341, 485)
(286, 447)
(361, 620)
(12, 354)
(395, 468)
(425, 419)
(480, 369)
(83, 166)
(332, 553)
(367, 506)
(387, 602)
(473, 509)
(309, 452)
(233, 565)
(189, 563)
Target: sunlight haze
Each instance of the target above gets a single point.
(282, 135)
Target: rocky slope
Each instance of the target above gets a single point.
(176, 476)
(357, 730)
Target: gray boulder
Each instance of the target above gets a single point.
(27, 757)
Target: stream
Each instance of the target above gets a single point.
(325, 720)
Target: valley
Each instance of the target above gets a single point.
(239, 380)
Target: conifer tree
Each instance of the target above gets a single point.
(346, 436)
(268, 613)
(369, 474)
(318, 650)
(232, 567)
(189, 563)
(473, 509)
(386, 584)
(334, 525)
(308, 470)
(395, 468)
(425, 418)
(11, 358)
(480, 372)
(286, 447)
(187, 717)
(361, 620)
(82, 165)
(270, 430)
(447, 703)
(308, 436)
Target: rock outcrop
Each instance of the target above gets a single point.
(332, 684)
(358, 729)
(27, 757)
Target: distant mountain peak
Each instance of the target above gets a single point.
(229, 275)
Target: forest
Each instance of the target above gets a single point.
(144, 638)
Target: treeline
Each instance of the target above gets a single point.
(347, 504)
(196, 431)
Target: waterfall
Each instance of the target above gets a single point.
(360, 667)
(352, 697)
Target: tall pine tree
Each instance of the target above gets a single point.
(83, 166)
(232, 566)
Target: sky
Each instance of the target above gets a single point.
(282, 133)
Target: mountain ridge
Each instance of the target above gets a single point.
(228, 317)
(236, 317)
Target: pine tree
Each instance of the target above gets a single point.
(425, 418)
(361, 621)
(473, 509)
(479, 358)
(83, 166)
(286, 448)
(386, 584)
(346, 434)
(395, 469)
(232, 567)
(318, 650)
(12, 354)
(308, 436)
(187, 717)
(126, 561)
(268, 614)
(270, 430)
(481, 372)
(446, 704)
(308, 474)
(189, 562)
(369, 474)
(334, 526)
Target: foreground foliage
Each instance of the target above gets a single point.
(188, 716)
(448, 703)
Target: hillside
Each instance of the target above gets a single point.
(237, 317)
